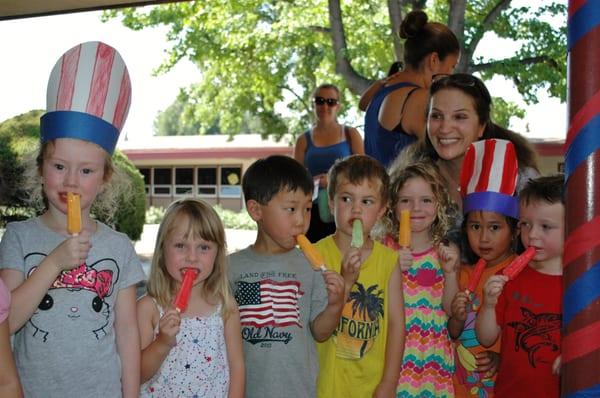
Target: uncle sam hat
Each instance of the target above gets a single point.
(88, 97)
(489, 177)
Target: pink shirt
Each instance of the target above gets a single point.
(4, 301)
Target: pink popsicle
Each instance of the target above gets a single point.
(476, 275)
(183, 296)
(519, 263)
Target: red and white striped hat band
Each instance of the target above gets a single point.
(88, 97)
(489, 177)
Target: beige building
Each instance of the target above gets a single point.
(211, 166)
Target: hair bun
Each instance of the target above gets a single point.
(413, 24)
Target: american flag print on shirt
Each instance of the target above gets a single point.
(269, 303)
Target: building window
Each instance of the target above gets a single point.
(162, 182)
(184, 181)
(207, 182)
(146, 172)
(231, 178)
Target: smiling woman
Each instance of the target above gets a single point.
(459, 114)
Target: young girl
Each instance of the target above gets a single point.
(74, 294)
(10, 385)
(430, 269)
(490, 228)
(197, 352)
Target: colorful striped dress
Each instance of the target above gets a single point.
(428, 358)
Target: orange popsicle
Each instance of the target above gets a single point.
(404, 228)
(183, 296)
(476, 275)
(73, 213)
(312, 255)
(519, 263)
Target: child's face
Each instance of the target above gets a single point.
(73, 166)
(416, 195)
(357, 201)
(489, 236)
(285, 216)
(183, 252)
(542, 226)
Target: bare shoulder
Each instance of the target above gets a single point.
(147, 309)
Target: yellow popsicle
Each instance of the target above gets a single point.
(404, 229)
(73, 213)
(312, 255)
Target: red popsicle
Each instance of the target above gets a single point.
(183, 296)
(476, 275)
(519, 263)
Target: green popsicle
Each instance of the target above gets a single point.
(357, 234)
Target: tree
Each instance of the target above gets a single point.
(255, 55)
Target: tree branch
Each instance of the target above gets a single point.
(489, 19)
(525, 61)
(395, 13)
(356, 83)
(307, 107)
(456, 18)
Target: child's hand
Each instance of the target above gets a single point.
(351, 267)
(385, 389)
(72, 252)
(334, 283)
(168, 327)
(492, 289)
(487, 362)
(449, 256)
(405, 259)
(556, 365)
(459, 306)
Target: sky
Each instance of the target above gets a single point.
(31, 46)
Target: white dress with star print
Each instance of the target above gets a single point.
(197, 366)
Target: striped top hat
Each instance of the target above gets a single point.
(88, 97)
(489, 177)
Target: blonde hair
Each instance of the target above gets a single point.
(117, 185)
(446, 209)
(200, 221)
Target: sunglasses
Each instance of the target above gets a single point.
(328, 101)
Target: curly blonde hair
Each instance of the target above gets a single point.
(200, 220)
(117, 185)
(446, 209)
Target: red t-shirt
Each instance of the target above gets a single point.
(529, 311)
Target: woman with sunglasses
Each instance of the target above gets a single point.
(395, 114)
(318, 149)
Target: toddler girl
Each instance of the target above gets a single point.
(73, 289)
(490, 227)
(430, 267)
(197, 352)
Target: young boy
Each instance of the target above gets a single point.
(363, 357)
(284, 304)
(527, 311)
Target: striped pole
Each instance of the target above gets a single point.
(581, 261)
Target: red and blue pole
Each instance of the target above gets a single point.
(581, 261)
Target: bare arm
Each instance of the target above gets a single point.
(10, 386)
(486, 325)
(456, 322)
(155, 348)
(356, 145)
(300, 149)
(128, 342)
(394, 347)
(235, 356)
(325, 323)
(450, 258)
(369, 93)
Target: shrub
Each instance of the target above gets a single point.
(230, 219)
(154, 215)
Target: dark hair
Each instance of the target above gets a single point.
(549, 189)
(423, 38)
(268, 176)
(395, 67)
(356, 169)
(470, 255)
(482, 102)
